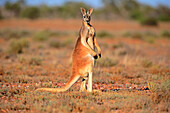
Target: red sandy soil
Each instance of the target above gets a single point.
(74, 24)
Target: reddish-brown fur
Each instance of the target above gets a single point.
(82, 57)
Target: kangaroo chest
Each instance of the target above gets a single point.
(90, 37)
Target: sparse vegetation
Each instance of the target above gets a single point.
(165, 34)
(35, 61)
(17, 34)
(17, 46)
(131, 76)
(149, 39)
(106, 62)
(41, 36)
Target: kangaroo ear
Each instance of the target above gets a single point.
(90, 11)
(83, 11)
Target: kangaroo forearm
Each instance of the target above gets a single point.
(97, 46)
(83, 41)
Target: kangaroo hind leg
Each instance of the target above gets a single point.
(89, 88)
(83, 84)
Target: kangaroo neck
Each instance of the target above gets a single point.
(86, 24)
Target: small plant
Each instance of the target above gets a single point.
(22, 59)
(127, 34)
(137, 35)
(17, 46)
(104, 34)
(41, 36)
(151, 34)
(58, 33)
(106, 62)
(35, 61)
(152, 86)
(150, 40)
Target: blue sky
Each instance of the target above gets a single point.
(93, 3)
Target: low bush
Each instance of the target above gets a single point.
(149, 22)
(17, 46)
(146, 63)
(164, 18)
(137, 35)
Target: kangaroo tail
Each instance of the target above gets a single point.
(71, 81)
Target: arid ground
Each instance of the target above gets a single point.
(133, 74)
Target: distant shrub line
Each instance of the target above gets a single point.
(147, 15)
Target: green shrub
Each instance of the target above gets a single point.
(41, 36)
(149, 22)
(30, 12)
(164, 18)
(17, 46)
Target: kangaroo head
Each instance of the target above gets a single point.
(86, 16)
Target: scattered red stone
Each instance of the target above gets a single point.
(98, 86)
